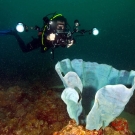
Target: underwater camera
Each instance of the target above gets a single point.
(63, 38)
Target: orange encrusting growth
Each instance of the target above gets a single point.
(28, 113)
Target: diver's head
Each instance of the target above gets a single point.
(59, 24)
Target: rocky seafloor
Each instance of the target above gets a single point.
(34, 107)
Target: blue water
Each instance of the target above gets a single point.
(114, 45)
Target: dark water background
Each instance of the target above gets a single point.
(115, 44)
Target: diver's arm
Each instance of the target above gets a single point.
(34, 44)
(20, 42)
(14, 33)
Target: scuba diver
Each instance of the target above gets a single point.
(55, 32)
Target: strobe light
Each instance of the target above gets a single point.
(95, 31)
(20, 27)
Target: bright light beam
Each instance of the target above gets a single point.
(20, 27)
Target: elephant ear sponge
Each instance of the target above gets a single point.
(109, 102)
